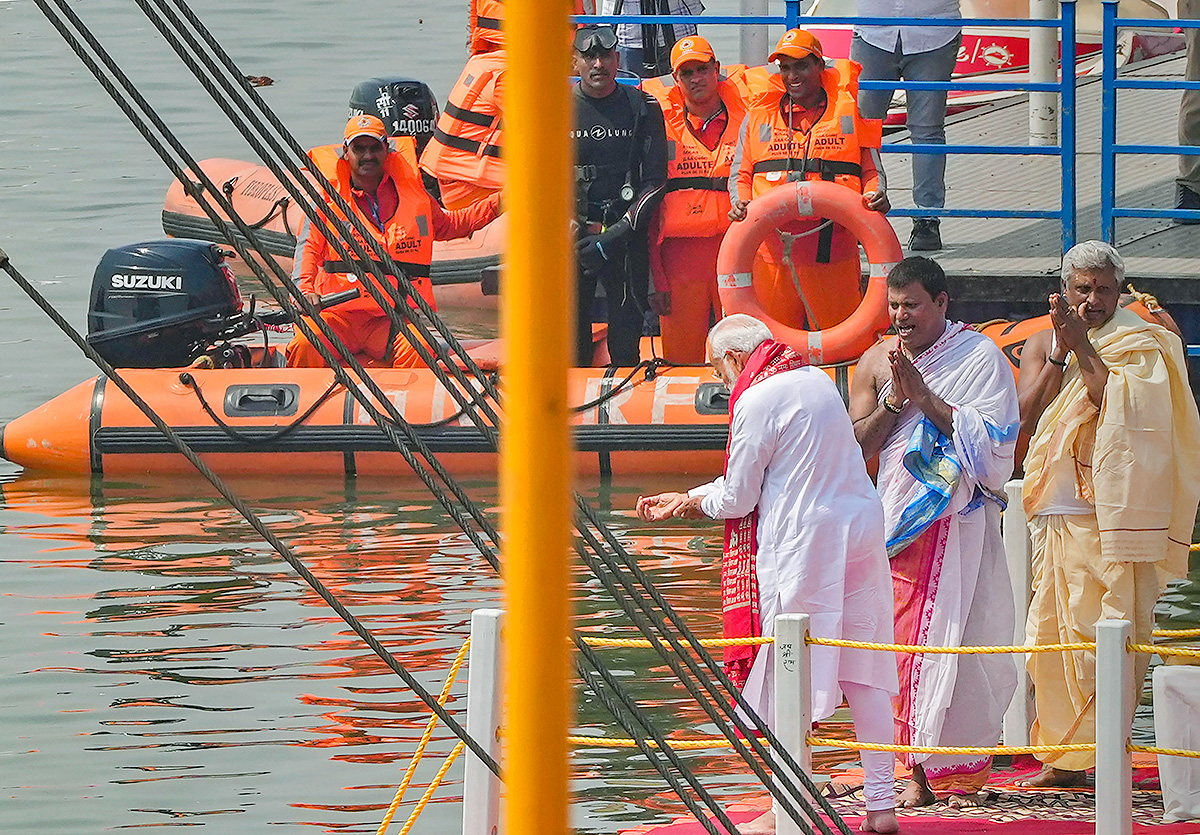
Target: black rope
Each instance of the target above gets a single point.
(633, 713)
(189, 380)
(249, 515)
(650, 369)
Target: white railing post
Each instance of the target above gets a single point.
(1043, 67)
(755, 44)
(793, 700)
(1114, 716)
(1019, 717)
(481, 788)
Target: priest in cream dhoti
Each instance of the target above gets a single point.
(938, 404)
(803, 533)
(1112, 480)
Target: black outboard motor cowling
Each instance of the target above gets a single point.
(158, 304)
(406, 106)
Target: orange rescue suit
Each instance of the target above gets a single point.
(407, 235)
(486, 21)
(821, 285)
(692, 218)
(464, 153)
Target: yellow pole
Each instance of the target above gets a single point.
(537, 305)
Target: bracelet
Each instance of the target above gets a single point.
(1059, 363)
(895, 410)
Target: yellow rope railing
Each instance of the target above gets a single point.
(433, 785)
(420, 752)
(617, 742)
(1164, 752)
(1159, 649)
(855, 745)
(1177, 633)
(705, 642)
(609, 643)
(916, 649)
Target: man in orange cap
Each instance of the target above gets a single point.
(380, 181)
(703, 111)
(807, 127)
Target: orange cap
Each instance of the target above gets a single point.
(691, 48)
(364, 124)
(796, 43)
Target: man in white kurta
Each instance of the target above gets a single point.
(938, 403)
(793, 456)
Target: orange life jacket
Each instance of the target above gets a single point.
(407, 234)
(486, 19)
(466, 139)
(831, 150)
(752, 82)
(696, 201)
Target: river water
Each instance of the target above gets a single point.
(159, 665)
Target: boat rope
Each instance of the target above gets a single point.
(247, 512)
(433, 787)
(250, 439)
(725, 686)
(451, 677)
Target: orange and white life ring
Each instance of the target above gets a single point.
(842, 342)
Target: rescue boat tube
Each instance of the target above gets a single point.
(847, 340)
(298, 421)
(264, 204)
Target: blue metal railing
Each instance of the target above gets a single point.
(1109, 147)
(1065, 87)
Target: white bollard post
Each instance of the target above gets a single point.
(1114, 716)
(1043, 67)
(481, 788)
(1018, 719)
(754, 43)
(793, 700)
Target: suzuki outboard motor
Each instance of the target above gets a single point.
(406, 106)
(159, 304)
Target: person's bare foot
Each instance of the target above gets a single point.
(764, 824)
(968, 801)
(915, 793)
(882, 821)
(1055, 778)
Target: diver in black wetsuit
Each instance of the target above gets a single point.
(620, 173)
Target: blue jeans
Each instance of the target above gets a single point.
(926, 108)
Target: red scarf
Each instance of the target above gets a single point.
(739, 581)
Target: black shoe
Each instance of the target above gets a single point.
(926, 236)
(1185, 198)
